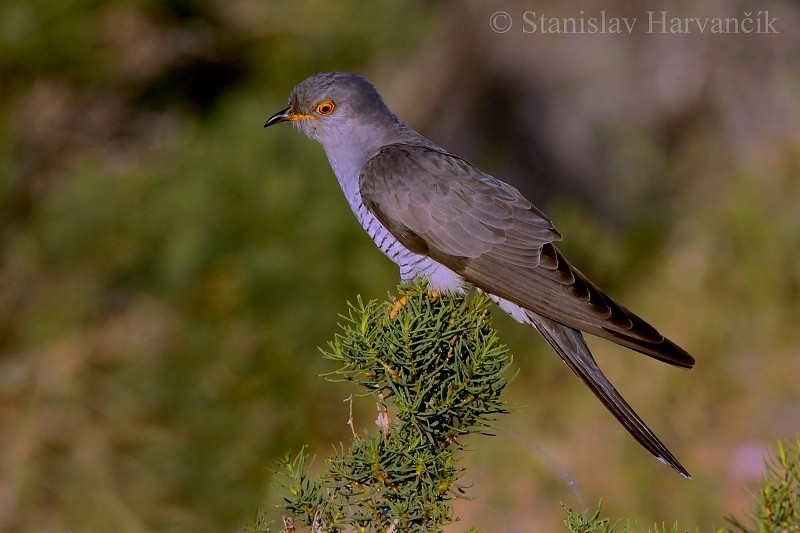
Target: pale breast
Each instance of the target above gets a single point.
(412, 265)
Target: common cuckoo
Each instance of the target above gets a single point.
(439, 217)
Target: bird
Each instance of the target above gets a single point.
(439, 217)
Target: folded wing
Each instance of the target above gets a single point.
(439, 205)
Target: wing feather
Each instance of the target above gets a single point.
(485, 230)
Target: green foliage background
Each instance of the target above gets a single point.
(168, 269)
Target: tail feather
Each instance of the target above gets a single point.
(572, 348)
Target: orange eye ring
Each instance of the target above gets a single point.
(326, 107)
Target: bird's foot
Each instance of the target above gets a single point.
(399, 304)
(403, 300)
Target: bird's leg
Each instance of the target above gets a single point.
(401, 302)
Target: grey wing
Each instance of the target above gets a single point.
(443, 206)
(440, 205)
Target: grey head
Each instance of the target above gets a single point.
(342, 110)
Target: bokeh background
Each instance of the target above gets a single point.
(168, 268)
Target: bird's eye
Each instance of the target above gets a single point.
(325, 107)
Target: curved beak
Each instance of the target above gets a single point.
(281, 116)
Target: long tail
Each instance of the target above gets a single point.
(571, 347)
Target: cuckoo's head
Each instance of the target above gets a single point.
(330, 105)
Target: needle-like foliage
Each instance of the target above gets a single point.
(435, 367)
(777, 504)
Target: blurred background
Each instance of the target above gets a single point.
(168, 268)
